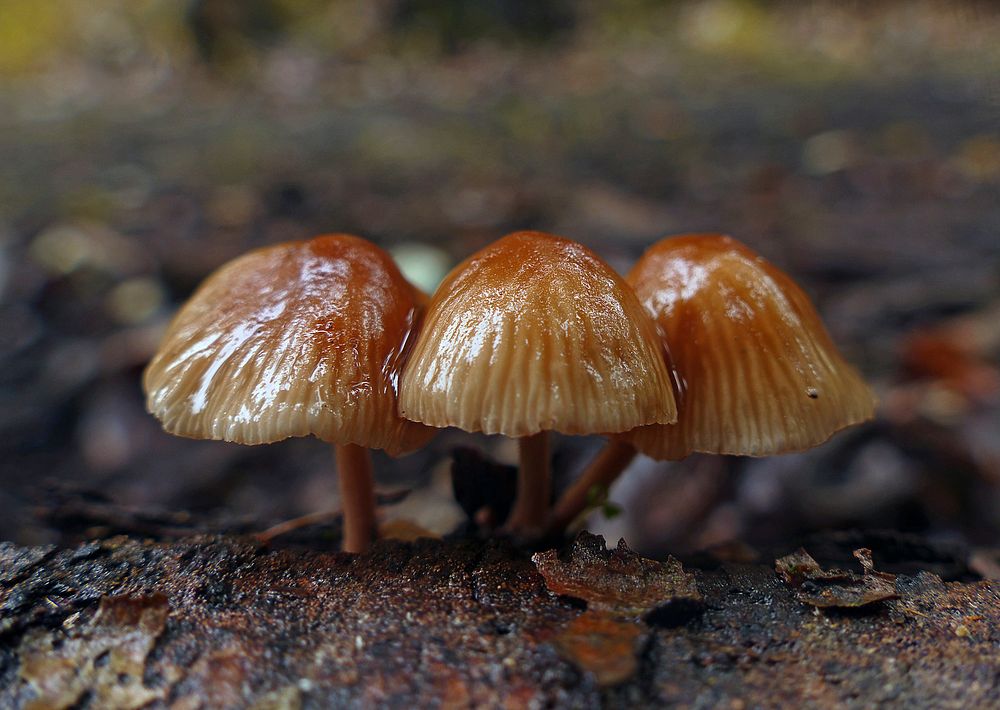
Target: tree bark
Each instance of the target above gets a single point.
(223, 621)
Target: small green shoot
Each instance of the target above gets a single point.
(597, 498)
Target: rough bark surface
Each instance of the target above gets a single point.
(224, 622)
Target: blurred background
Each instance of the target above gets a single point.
(857, 145)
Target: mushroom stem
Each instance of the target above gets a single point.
(357, 494)
(534, 486)
(603, 471)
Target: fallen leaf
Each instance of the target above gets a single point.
(105, 659)
(617, 581)
(602, 645)
(405, 530)
(985, 562)
(836, 588)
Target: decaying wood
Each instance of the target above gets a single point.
(836, 588)
(226, 622)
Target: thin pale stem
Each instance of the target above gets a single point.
(287, 526)
(603, 471)
(357, 493)
(534, 487)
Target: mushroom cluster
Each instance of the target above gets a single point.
(704, 346)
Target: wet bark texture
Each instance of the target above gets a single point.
(225, 622)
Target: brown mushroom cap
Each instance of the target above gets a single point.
(536, 333)
(290, 340)
(759, 374)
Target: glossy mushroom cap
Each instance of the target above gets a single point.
(295, 339)
(759, 374)
(536, 333)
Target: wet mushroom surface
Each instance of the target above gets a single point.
(756, 372)
(302, 338)
(532, 334)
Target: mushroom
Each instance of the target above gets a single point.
(757, 372)
(535, 333)
(295, 339)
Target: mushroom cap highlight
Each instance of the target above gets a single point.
(536, 333)
(294, 339)
(758, 373)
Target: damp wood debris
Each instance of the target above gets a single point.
(216, 621)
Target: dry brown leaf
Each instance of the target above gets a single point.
(836, 588)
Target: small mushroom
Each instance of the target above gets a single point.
(535, 333)
(757, 372)
(291, 340)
